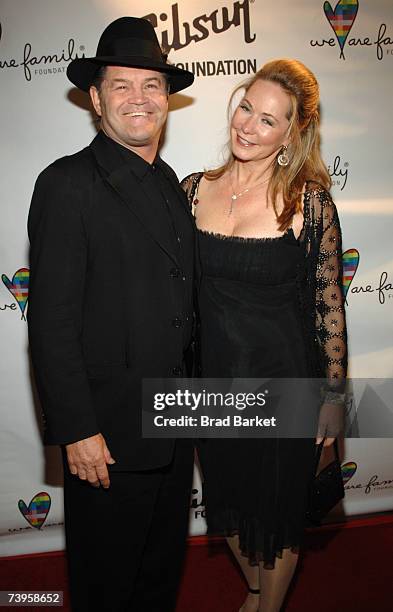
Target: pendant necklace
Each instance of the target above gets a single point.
(235, 196)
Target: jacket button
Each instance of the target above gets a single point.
(176, 371)
(177, 322)
(175, 272)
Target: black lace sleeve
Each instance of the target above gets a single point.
(329, 299)
(190, 185)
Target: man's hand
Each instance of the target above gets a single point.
(88, 459)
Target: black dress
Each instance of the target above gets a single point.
(253, 324)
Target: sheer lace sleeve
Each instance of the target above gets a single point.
(329, 299)
(190, 185)
(330, 325)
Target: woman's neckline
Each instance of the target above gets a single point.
(289, 231)
(250, 239)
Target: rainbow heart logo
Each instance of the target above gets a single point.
(19, 287)
(348, 470)
(350, 265)
(37, 510)
(341, 19)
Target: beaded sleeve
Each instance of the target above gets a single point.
(190, 186)
(330, 324)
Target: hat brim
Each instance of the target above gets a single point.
(81, 71)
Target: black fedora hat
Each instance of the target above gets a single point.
(128, 41)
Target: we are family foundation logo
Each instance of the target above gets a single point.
(373, 483)
(339, 171)
(18, 286)
(341, 21)
(41, 63)
(38, 509)
(35, 513)
(381, 288)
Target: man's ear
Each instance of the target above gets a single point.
(95, 98)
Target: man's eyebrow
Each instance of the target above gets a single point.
(125, 80)
(158, 79)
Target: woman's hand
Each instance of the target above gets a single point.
(328, 441)
(331, 422)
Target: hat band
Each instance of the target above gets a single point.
(133, 47)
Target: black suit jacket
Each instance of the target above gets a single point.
(109, 298)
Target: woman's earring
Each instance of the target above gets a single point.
(283, 159)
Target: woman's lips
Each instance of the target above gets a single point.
(243, 142)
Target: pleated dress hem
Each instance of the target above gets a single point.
(257, 542)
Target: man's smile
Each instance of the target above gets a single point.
(137, 114)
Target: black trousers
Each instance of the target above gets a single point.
(126, 544)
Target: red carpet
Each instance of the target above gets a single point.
(344, 568)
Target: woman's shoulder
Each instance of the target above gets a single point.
(314, 189)
(317, 199)
(191, 180)
(190, 185)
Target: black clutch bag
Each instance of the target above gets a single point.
(326, 488)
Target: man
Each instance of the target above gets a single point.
(110, 304)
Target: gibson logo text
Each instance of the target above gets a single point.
(180, 35)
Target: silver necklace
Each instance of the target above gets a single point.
(239, 194)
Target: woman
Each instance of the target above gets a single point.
(270, 305)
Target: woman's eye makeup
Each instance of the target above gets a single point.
(244, 106)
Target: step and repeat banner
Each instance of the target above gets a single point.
(349, 46)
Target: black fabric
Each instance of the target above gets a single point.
(166, 194)
(128, 41)
(248, 306)
(326, 488)
(269, 308)
(251, 327)
(126, 545)
(320, 288)
(105, 306)
(131, 47)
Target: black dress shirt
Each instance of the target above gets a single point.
(155, 175)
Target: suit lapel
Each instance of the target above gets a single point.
(140, 197)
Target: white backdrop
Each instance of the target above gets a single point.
(43, 117)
